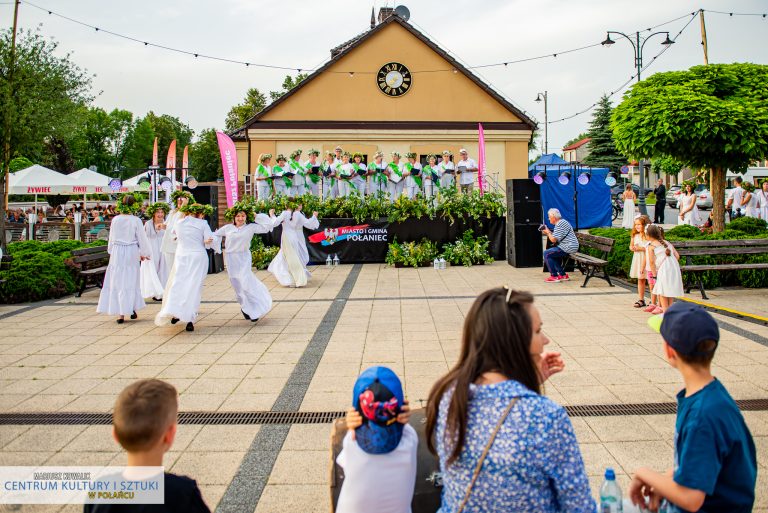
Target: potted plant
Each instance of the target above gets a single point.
(468, 251)
(411, 254)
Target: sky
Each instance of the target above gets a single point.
(300, 34)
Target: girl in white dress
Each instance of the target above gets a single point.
(762, 200)
(155, 230)
(181, 300)
(253, 296)
(629, 208)
(637, 245)
(128, 246)
(290, 264)
(168, 246)
(665, 267)
(689, 212)
(749, 202)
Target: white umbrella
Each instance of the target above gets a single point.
(91, 182)
(39, 180)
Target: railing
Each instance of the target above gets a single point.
(90, 232)
(49, 232)
(15, 232)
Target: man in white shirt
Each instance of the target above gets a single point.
(734, 200)
(468, 169)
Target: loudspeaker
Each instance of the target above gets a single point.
(208, 195)
(524, 216)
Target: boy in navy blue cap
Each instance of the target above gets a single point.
(379, 449)
(715, 465)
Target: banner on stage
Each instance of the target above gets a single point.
(170, 161)
(350, 242)
(229, 165)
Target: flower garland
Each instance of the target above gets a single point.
(241, 206)
(128, 209)
(154, 207)
(196, 209)
(175, 195)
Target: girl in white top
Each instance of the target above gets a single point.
(396, 182)
(290, 264)
(689, 212)
(253, 296)
(629, 208)
(127, 247)
(413, 178)
(637, 245)
(168, 246)
(749, 203)
(155, 230)
(264, 188)
(762, 200)
(446, 170)
(181, 301)
(665, 267)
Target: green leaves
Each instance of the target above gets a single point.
(411, 254)
(468, 250)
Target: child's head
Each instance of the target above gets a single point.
(378, 397)
(690, 334)
(145, 415)
(656, 233)
(640, 223)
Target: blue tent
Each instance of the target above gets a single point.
(549, 159)
(594, 198)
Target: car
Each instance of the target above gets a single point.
(618, 189)
(703, 197)
(672, 193)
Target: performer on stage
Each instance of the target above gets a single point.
(281, 183)
(412, 172)
(467, 168)
(253, 296)
(447, 171)
(181, 301)
(377, 175)
(127, 247)
(290, 264)
(168, 246)
(344, 171)
(312, 171)
(300, 178)
(264, 187)
(396, 182)
(430, 176)
(155, 230)
(357, 183)
(330, 185)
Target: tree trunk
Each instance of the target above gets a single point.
(717, 189)
(3, 208)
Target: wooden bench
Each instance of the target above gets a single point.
(592, 266)
(91, 265)
(692, 248)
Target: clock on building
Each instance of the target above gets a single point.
(394, 79)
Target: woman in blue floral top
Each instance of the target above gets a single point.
(534, 463)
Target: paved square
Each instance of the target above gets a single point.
(304, 356)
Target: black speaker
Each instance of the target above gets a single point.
(208, 195)
(524, 216)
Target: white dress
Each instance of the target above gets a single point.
(121, 292)
(168, 246)
(447, 173)
(411, 185)
(185, 284)
(752, 208)
(669, 279)
(155, 238)
(762, 204)
(290, 264)
(691, 217)
(629, 214)
(253, 296)
(636, 270)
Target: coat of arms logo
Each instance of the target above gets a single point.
(331, 234)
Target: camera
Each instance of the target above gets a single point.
(542, 227)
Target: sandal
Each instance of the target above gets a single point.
(640, 303)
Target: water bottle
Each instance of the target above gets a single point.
(436, 264)
(335, 259)
(328, 261)
(610, 494)
(442, 263)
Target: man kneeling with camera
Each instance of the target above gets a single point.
(564, 243)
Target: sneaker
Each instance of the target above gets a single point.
(552, 279)
(650, 308)
(565, 278)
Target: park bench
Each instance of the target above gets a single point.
(692, 248)
(592, 266)
(90, 266)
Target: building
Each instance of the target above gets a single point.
(577, 151)
(391, 89)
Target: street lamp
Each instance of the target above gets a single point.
(637, 45)
(539, 97)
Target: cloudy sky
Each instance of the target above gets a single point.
(300, 33)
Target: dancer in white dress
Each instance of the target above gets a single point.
(168, 246)
(665, 266)
(750, 202)
(629, 208)
(253, 296)
(181, 301)
(155, 230)
(689, 212)
(290, 264)
(762, 200)
(128, 246)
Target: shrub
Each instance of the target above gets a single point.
(262, 255)
(620, 257)
(750, 225)
(468, 250)
(413, 254)
(35, 276)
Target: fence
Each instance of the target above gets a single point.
(49, 232)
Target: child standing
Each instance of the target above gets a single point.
(664, 267)
(715, 464)
(637, 245)
(379, 449)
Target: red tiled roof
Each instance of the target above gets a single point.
(577, 144)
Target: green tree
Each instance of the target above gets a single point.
(602, 148)
(666, 165)
(713, 117)
(204, 157)
(138, 145)
(19, 163)
(100, 138)
(167, 128)
(579, 137)
(288, 84)
(254, 102)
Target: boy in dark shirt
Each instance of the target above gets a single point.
(144, 424)
(715, 465)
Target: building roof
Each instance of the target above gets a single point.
(577, 144)
(358, 40)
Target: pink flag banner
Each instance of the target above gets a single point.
(481, 158)
(154, 153)
(170, 161)
(185, 164)
(229, 165)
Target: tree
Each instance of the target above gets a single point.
(138, 145)
(288, 84)
(19, 163)
(254, 102)
(204, 157)
(167, 128)
(602, 148)
(666, 165)
(99, 139)
(579, 137)
(713, 117)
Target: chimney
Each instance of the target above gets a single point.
(385, 12)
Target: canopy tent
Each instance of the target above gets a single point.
(132, 184)
(549, 159)
(91, 182)
(39, 180)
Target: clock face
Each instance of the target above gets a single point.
(394, 79)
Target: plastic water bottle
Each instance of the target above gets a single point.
(610, 494)
(328, 261)
(442, 263)
(336, 259)
(436, 264)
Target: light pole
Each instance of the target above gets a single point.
(638, 44)
(539, 97)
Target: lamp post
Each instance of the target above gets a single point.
(539, 97)
(638, 44)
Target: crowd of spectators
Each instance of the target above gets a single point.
(63, 214)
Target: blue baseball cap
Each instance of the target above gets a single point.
(684, 326)
(378, 397)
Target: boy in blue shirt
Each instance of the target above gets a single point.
(715, 465)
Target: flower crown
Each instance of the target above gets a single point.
(240, 206)
(313, 152)
(264, 156)
(175, 195)
(447, 153)
(396, 154)
(410, 155)
(295, 153)
(160, 205)
(748, 186)
(197, 208)
(357, 154)
(431, 156)
(378, 154)
(346, 154)
(131, 209)
(280, 157)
